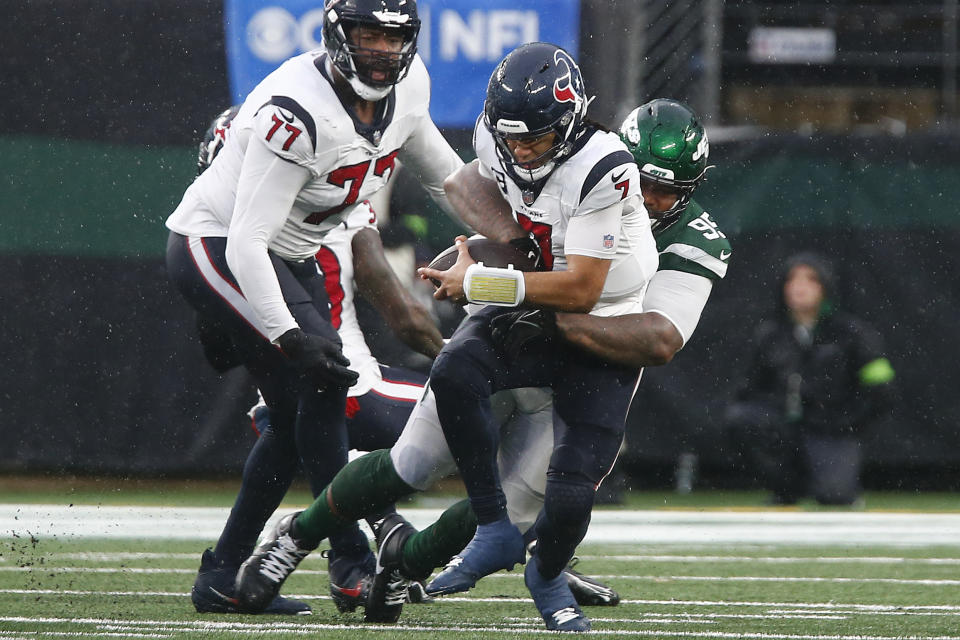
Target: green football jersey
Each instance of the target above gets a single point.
(694, 244)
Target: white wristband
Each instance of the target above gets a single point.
(491, 285)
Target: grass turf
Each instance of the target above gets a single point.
(122, 588)
(93, 588)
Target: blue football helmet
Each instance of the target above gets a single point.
(535, 90)
(357, 64)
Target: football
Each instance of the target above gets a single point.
(489, 252)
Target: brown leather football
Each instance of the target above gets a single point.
(489, 252)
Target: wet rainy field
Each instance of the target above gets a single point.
(694, 572)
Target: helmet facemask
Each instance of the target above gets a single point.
(361, 66)
(542, 165)
(660, 220)
(536, 90)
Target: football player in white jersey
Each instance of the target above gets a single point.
(352, 260)
(575, 187)
(309, 144)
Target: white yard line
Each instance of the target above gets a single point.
(885, 560)
(51, 570)
(639, 527)
(778, 608)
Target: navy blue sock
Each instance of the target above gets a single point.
(267, 475)
(323, 442)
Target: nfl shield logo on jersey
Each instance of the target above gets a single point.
(607, 241)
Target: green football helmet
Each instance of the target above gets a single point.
(670, 147)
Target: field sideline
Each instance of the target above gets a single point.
(124, 571)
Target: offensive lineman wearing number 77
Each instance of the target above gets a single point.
(310, 144)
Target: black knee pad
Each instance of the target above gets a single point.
(568, 500)
(454, 375)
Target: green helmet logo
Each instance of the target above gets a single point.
(667, 134)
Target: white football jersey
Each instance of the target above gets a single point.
(336, 261)
(599, 174)
(294, 114)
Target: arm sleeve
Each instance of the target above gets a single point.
(482, 140)
(585, 233)
(431, 158)
(680, 297)
(267, 188)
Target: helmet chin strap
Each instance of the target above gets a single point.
(367, 92)
(532, 175)
(364, 91)
(666, 218)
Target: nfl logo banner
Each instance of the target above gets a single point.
(461, 41)
(607, 241)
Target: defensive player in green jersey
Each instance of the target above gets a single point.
(671, 149)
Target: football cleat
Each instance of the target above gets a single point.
(264, 572)
(350, 578)
(588, 591)
(213, 592)
(388, 590)
(554, 601)
(417, 593)
(495, 546)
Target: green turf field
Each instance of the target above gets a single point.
(69, 586)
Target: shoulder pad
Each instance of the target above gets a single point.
(287, 128)
(413, 92)
(612, 178)
(695, 244)
(485, 148)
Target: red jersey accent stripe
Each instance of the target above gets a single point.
(333, 283)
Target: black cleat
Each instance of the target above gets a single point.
(388, 591)
(417, 593)
(213, 592)
(264, 572)
(350, 579)
(588, 591)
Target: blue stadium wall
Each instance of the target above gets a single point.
(102, 373)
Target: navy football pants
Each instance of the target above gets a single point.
(307, 426)
(591, 399)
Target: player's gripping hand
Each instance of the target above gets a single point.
(511, 332)
(528, 245)
(320, 358)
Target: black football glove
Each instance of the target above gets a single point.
(511, 332)
(528, 245)
(320, 358)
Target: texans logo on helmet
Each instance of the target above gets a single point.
(563, 89)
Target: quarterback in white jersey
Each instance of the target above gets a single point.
(309, 144)
(574, 187)
(588, 207)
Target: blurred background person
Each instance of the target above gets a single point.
(816, 378)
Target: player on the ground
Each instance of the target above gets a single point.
(308, 146)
